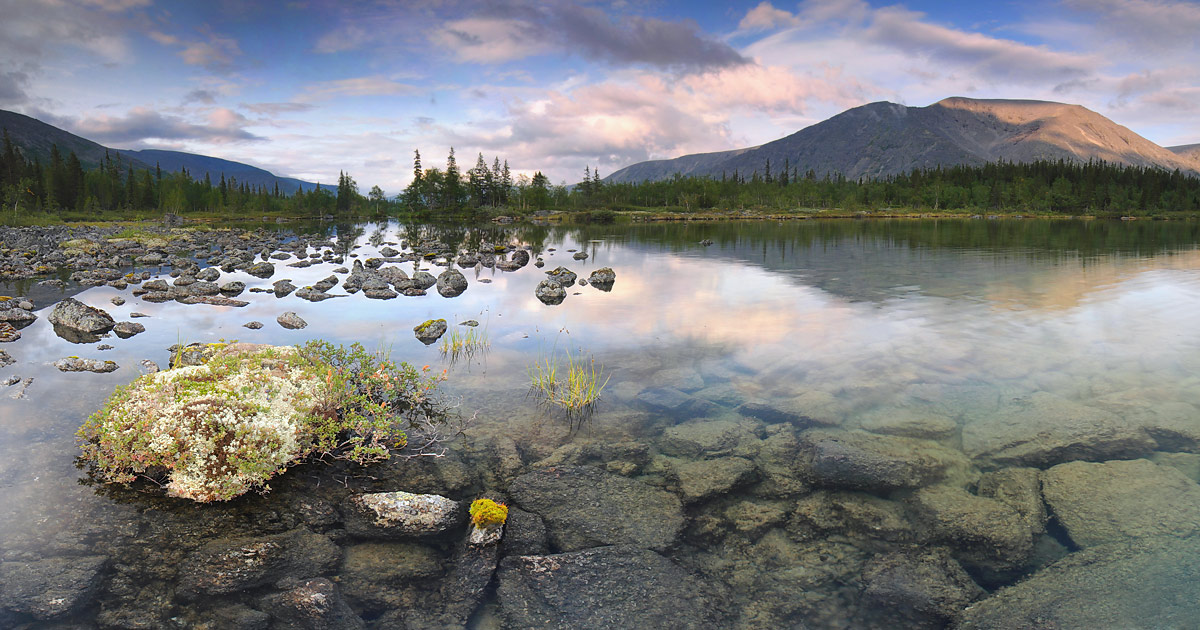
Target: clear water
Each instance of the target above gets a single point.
(864, 320)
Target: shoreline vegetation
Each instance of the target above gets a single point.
(32, 193)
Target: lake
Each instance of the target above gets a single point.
(805, 424)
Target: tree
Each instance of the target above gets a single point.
(539, 191)
(376, 196)
(414, 195)
(452, 188)
(478, 178)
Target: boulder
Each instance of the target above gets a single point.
(222, 567)
(984, 534)
(853, 514)
(76, 316)
(705, 438)
(1019, 489)
(261, 270)
(925, 589)
(126, 330)
(291, 320)
(313, 604)
(283, 288)
(451, 283)
(233, 288)
(550, 293)
(1148, 584)
(423, 280)
(1115, 501)
(1042, 430)
(430, 331)
(866, 461)
(609, 587)
(524, 534)
(76, 364)
(562, 276)
(8, 332)
(704, 479)
(400, 515)
(53, 588)
(584, 507)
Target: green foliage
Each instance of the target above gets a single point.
(456, 344)
(573, 386)
(214, 431)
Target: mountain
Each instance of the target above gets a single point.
(34, 138)
(198, 165)
(1191, 151)
(882, 139)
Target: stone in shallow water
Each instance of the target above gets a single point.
(52, 588)
(854, 514)
(8, 332)
(126, 330)
(609, 587)
(676, 403)
(400, 515)
(1020, 489)
(924, 588)
(76, 364)
(1121, 500)
(314, 604)
(291, 321)
(1042, 430)
(584, 507)
(228, 566)
(1148, 584)
(865, 461)
(694, 439)
(985, 534)
(908, 422)
(706, 478)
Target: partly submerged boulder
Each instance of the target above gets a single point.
(74, 315)
(400, 515)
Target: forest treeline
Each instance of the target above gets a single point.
(64, 188)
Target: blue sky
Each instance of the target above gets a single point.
(310, 87)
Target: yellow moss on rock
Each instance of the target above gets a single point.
(486, 513)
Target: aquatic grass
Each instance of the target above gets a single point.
(573, 386)
(456, 344)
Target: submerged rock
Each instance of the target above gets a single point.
(49, 589)
(984, 534)
(706, 478)
(609, 587)
(314, 604)
(865, 461)
(584, 507)
(1121, 500)
(400, 515)
(852, 514)
(926, 589)
(228, 566)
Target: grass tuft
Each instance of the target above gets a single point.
(456, 344)
(574, 385)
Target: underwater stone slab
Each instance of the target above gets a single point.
(866, 461)
(227, 566)
(400, 515)
(678, 404)
(1148, 584)
(314, 604)
(52, 588)
(1042, 430)
(584, 507)
(924, 588)
(609, 587)
(984, 533)
(707, 478)
(908, 422)
(1120, 500)
(853, 514)
(694, 439)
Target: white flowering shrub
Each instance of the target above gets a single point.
(217, 430)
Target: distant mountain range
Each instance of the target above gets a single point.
(34, 138)
(882, 139)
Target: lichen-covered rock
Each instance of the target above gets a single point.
(1121, 500)
(75, 315)
(291, 321)
(126, 330)
(609, 587)
(430, 331)
(216, 429)
(603, 278)
(584, 507)
(8, 332)
(550, 293)
(76, 364)
(228, 566)
(283, 288)
(451, 283)
(562, 276)
(261, 270)
(314, 604)
(400, 515)
(423, 280)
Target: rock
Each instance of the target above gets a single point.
(228, 566)
(117, 300)
(374, 293)
(126, 330)
(1121, 500)
(17, 312)
(423, 280)
(865, 461)
(676, 403)
(6, 359)
(609, 587)
(241, 617)
(204, 289)
(76, 364)
(909, 422)
(136, 315)
(985, 534)
(391, 563)
(926, 589)
(550, 293)
(400, 515)
(708, 439)
(1043, 430)
(584, 507)
(53, 588)
(74, 315)
(291, 320)
(430, 330)
(158, 285)
(580, 256)
(314, 604)
(451, 283)
(706, 478)
(208, 274)
(811, 409)
(1019, 489)
(524, 534)
(1151, 584)
(562, 276)
(261, 270)
(283, 288)
(313, 295)
(464, 588)
(233, 288)
(254, 325)
(146, 366)
(853, 514)
(8, 332)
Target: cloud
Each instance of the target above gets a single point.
(275, 109)
(358, 86)
(766, 17)
(13, 84)
(118, 5)
(491, 40)
(200, 96)
(1156, 24)
(141, 124)
(214, 52)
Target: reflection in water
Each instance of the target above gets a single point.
(1008, 344)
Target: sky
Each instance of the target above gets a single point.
(309, 88)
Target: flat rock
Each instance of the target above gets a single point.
(1148, 584)
(76, 364)
(706, 478)
(126, 330)
(676, 403)
(73, 314)
(609, 587)
(584, 507)
(1019, 489)
(985, 534)
(908, 422)
(1100, 503)
(853, 514)
(1042, 430)
(707, 438)
(52, 588)
(927, 588)
(866, 461)
(400, 515)
(291, 320)
(222, 567)
(313, 604)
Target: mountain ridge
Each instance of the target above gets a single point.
(882, 139)
(35, 137)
